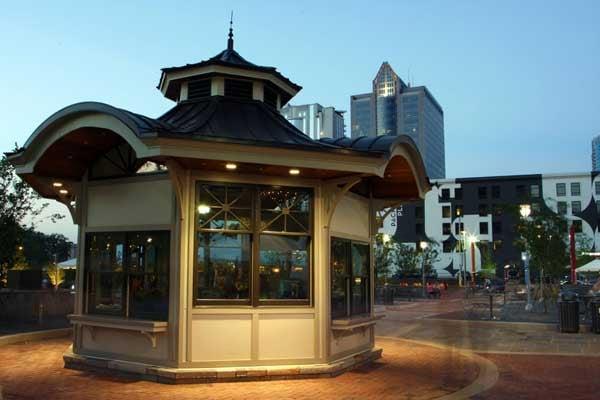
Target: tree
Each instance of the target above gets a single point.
(488, 265)
(383, 247)
(410, 260)
(544, 235)
(430, 256)
(42, 249)
(17, 201)
(406, 259)
(55, 274)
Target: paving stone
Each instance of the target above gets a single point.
(406, 368)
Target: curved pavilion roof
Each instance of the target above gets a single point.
(68, 142)
(207, 132)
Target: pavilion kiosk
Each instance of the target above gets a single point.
(218, 241)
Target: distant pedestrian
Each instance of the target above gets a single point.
(429, 290)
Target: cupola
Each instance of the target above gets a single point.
(227, 74)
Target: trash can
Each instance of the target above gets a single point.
(388, 296)
(568, 313)
(594, 305)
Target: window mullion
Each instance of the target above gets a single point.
(126, 255)
(255, 240)
(349, 272)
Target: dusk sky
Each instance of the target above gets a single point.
(518, 81)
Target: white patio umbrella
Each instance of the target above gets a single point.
(68, 264)
(592, 266)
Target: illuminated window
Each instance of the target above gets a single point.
(230, 219)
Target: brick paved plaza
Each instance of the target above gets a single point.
(35, 370)
(424, 357)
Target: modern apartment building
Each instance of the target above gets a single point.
(393, 108)
(475, 210)
(315, 120)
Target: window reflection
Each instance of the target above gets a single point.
(231, 217)
(284, 267)
(223, 265)
(350, 278)
(127, 274)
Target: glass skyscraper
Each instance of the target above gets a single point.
(394, 108)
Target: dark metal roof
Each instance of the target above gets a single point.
(231, 58)
(254, 123)
(383, 144)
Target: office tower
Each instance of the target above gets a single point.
(395, 108)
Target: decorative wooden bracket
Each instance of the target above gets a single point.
(151, 337)
(333, 194)
(92, 330)
(177, 175)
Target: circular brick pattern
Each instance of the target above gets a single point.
(407, 370)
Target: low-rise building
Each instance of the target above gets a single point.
(476, 210)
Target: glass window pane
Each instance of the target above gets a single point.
(149, 296)
(284, 267)
(148, 252)
(239, 219)
(339, 277)
(285, 210)
(148, 266)
(128, 263)
(223, 265)
(106, 251)
(360, 279)
(106, 292)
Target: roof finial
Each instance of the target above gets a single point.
(230, 40)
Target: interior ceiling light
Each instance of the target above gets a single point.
(231, 166)
(57, 184)
(294, 171)
(203, 209)
(63, 191)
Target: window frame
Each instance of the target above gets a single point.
(563, 191)
(126, 294)
(255, 232)
(574, 185)
(562, 207)
(349, 277)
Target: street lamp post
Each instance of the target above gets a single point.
(525, 211)
(423, 246)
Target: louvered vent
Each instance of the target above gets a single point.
(270, 97)
(239, 89)
(198, 89)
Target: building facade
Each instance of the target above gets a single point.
(393, 108)
(596, 153)
(316, 121)
(477, 210)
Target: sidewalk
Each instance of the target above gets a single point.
(418, 321)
